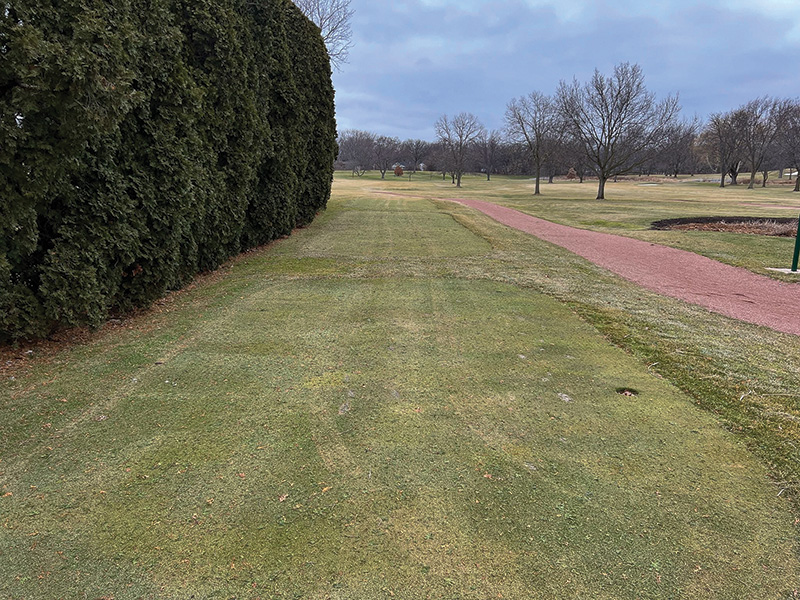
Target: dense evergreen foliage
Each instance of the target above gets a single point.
(144, 141)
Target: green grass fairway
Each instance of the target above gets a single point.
(630, 208)
(405, 400)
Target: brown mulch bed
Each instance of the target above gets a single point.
(779, 227)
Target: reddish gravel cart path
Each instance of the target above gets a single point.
(731, 291)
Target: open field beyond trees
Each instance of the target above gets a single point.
(407, 399)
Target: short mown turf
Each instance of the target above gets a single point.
(384, 405)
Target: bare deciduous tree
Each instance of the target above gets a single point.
(438, 158)
(724, 131)
(333, 19)
(387, 151)
(575, 158)
(488, 147)
(616, 120)
(357, 150)
(457, 136)
(789, 139)
(679, 142)
(533, 121)
(758, 123)
(416, 151)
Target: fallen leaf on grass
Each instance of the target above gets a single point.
(283, 497)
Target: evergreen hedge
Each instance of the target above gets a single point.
(144, 141)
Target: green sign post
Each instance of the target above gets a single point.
(796, 249)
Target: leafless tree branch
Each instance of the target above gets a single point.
(616, 120)
(458, 136)
(333, 19)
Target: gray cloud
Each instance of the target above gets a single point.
(415, 61)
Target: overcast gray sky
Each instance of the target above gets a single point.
(416, 60)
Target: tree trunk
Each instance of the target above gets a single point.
(752, 180)
(458, 180)
(734, 173)
(722, 179)
(766, 176)
(601, 191)
(797, 184)
(488, 176)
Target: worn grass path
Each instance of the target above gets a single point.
(380, 406)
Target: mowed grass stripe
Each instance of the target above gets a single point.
(392, 229)
(320, 433)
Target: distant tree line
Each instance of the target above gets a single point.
(144, 141)
(604, 128)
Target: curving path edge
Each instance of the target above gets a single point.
(731, 291)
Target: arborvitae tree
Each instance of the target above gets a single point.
(146, 140)
(318, 128)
